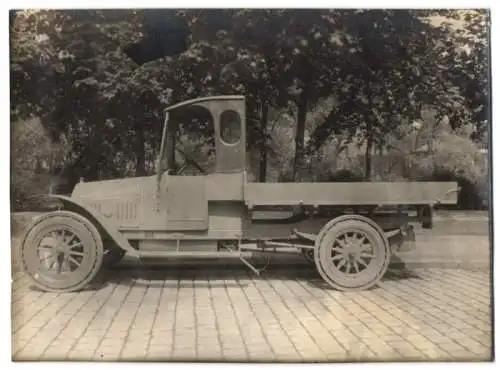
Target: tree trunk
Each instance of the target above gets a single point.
(263, 144)
(299, 136)
(140, 169)
(368, 156)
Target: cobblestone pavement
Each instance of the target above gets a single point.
(230, 315)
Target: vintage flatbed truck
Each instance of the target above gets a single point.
(349, 230)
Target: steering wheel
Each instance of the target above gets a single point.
(190, 160)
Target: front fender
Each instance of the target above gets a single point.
(103, 224)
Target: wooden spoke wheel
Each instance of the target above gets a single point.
(62, 252)
(352, 253)
(112, 255)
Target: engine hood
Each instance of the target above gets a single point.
(120, 200)
(119, 188)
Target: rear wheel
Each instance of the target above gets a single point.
(352, 253)
(62, 252)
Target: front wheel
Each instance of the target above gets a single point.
(61, 252)
(352, 253)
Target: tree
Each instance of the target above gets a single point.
(277, 58)
(259, 71)
(377, 69)
(392, 63)
(165, 35)
(32, 152)
(471, 68)
(85, 78)
(387, 65)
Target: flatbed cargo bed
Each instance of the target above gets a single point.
(350, 193)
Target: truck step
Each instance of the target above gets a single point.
(193, 254)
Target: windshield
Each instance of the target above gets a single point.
(188, 145)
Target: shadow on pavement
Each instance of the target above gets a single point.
(218, 277)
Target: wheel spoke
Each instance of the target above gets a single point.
(73, 253)
(337, 257)
(343, 242)
(362, 240)
(47, 259)
(46, 248)
(65, 265)
(367, 255)
(56, 265)
(361, 262)
(67, 242)
(71, 259)
(356, 267)
(49, 252)
(59, 266)
(348, 267)
(341, 264)
(55, 236)
(76, 245)
(365, 247)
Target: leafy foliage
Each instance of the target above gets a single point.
(33, 153)
(326, 89)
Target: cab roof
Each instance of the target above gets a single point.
(204, 99)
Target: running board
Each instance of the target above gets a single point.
(192, 254)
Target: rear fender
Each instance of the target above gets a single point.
(105, 226)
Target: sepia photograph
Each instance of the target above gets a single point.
(251, 185)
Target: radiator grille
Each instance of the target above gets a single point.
(116, 209)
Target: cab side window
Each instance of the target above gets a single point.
(230, 127)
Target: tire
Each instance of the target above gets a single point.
(352, 253)
(70, 243)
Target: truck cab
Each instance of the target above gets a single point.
(224, 115)
(184, 195)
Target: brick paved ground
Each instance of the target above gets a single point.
(231, 315)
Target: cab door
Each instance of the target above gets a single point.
(184, 202)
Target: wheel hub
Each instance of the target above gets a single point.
(62, 251)
(351, 253)
(59, 249)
